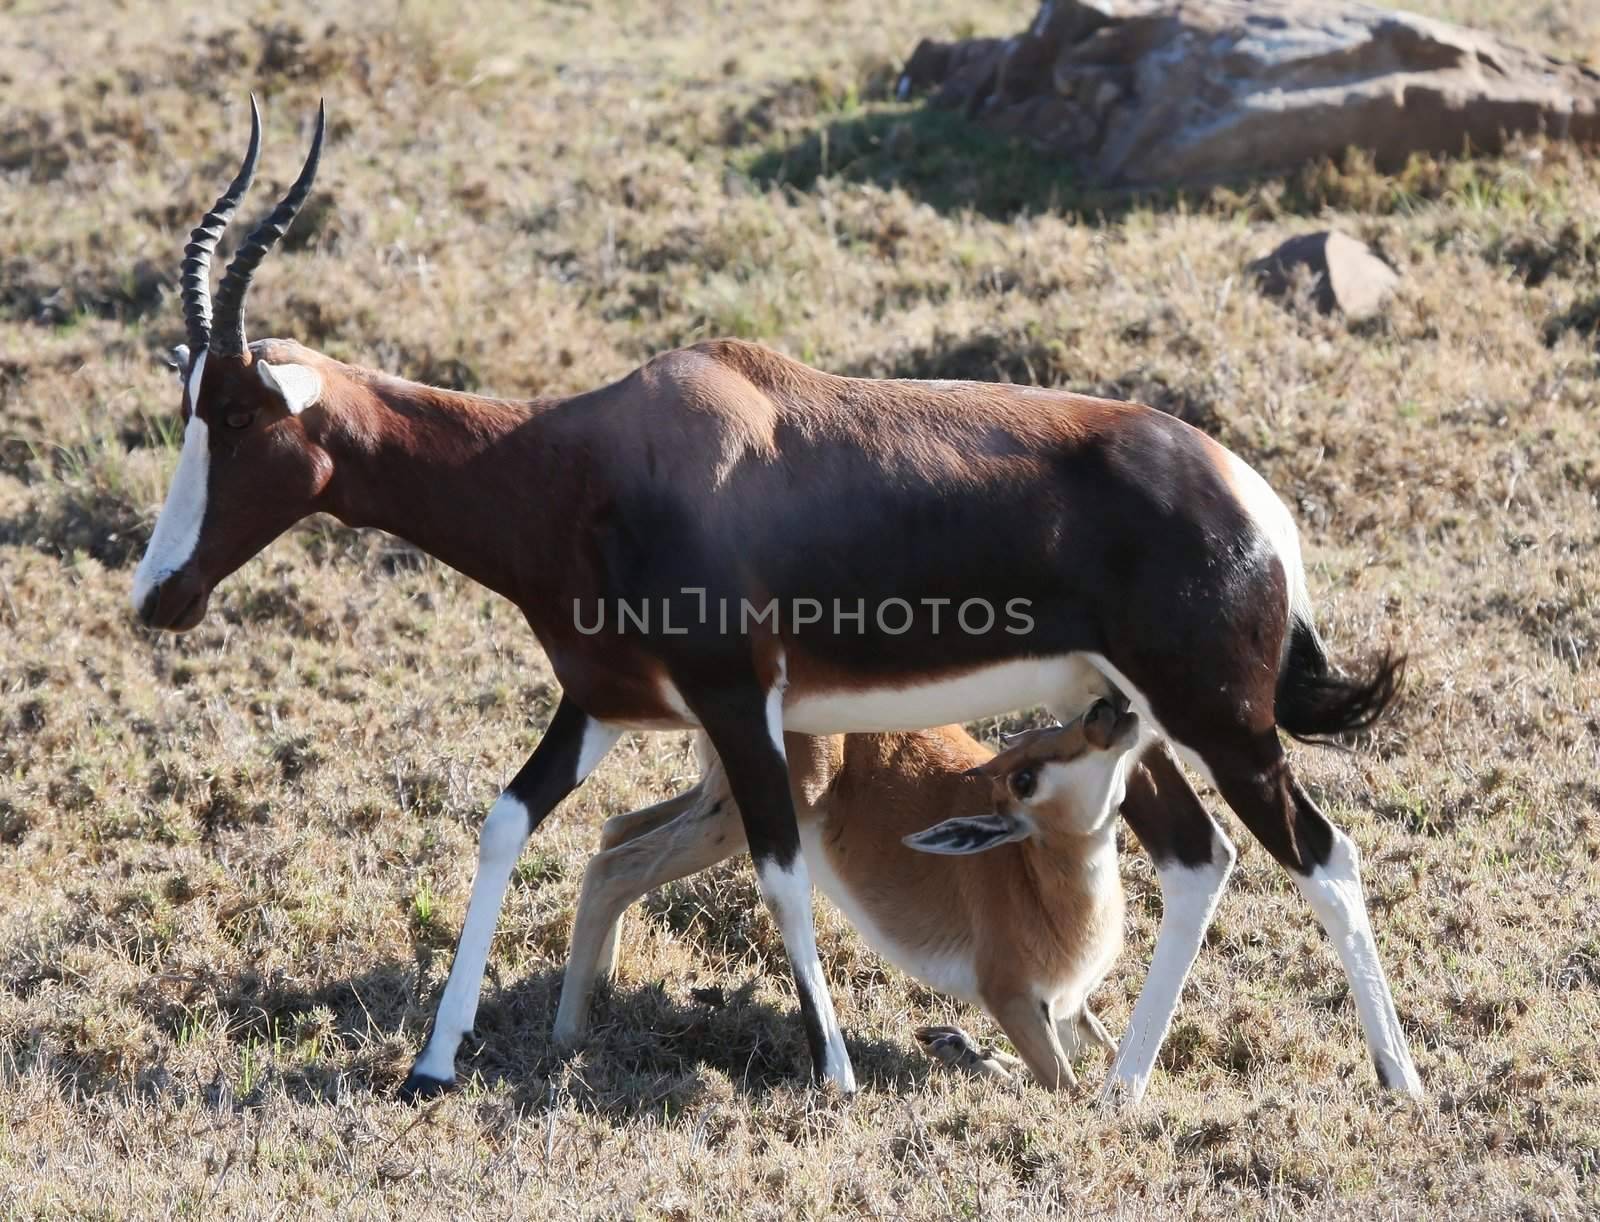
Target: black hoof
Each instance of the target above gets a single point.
(420, 1087)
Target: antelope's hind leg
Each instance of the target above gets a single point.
(1247, 763)
(1325, 866)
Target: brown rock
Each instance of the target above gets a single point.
(1348, 276)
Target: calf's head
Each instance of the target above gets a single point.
(1061, 781)
(251, 465)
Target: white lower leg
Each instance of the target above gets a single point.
(1189, 896)
(504, 833)
(787, 892)
(500, 842)
(1334, 891)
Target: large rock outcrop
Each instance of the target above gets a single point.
(1142, 92)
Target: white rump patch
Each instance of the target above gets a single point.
(1273, 519)
(299, 386)
(178, 528)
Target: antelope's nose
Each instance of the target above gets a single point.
(175, 602)
(146, 598)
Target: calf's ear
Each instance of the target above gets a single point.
(970, 834)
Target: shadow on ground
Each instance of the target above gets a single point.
(647, 1053)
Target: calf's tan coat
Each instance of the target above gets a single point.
(1026, 929)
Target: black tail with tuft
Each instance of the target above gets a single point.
(1316, 702)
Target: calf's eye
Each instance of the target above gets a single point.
(1023, 782)
(240, 420)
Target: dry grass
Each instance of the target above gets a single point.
(235, 861)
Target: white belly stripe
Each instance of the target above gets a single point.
(1065, 683)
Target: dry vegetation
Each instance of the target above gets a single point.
(233, 863)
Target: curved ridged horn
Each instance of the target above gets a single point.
(195, 277)
(227, 336)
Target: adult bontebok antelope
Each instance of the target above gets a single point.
(1026, 926)
(914, 553)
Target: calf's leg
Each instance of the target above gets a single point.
(707, 832)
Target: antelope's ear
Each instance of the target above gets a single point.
(299, 386)
(970, 834)
(178, 361)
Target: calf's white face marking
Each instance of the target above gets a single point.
(178, 528)
(1087, 789)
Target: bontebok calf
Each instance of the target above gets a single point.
(728, 540)
(1022, 913)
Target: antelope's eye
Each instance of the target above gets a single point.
(239, 420)
(1023, 782)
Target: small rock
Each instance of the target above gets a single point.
(1349, 276)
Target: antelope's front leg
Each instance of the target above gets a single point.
(571, 747)
(745, 726)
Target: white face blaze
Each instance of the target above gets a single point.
(178, 528)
